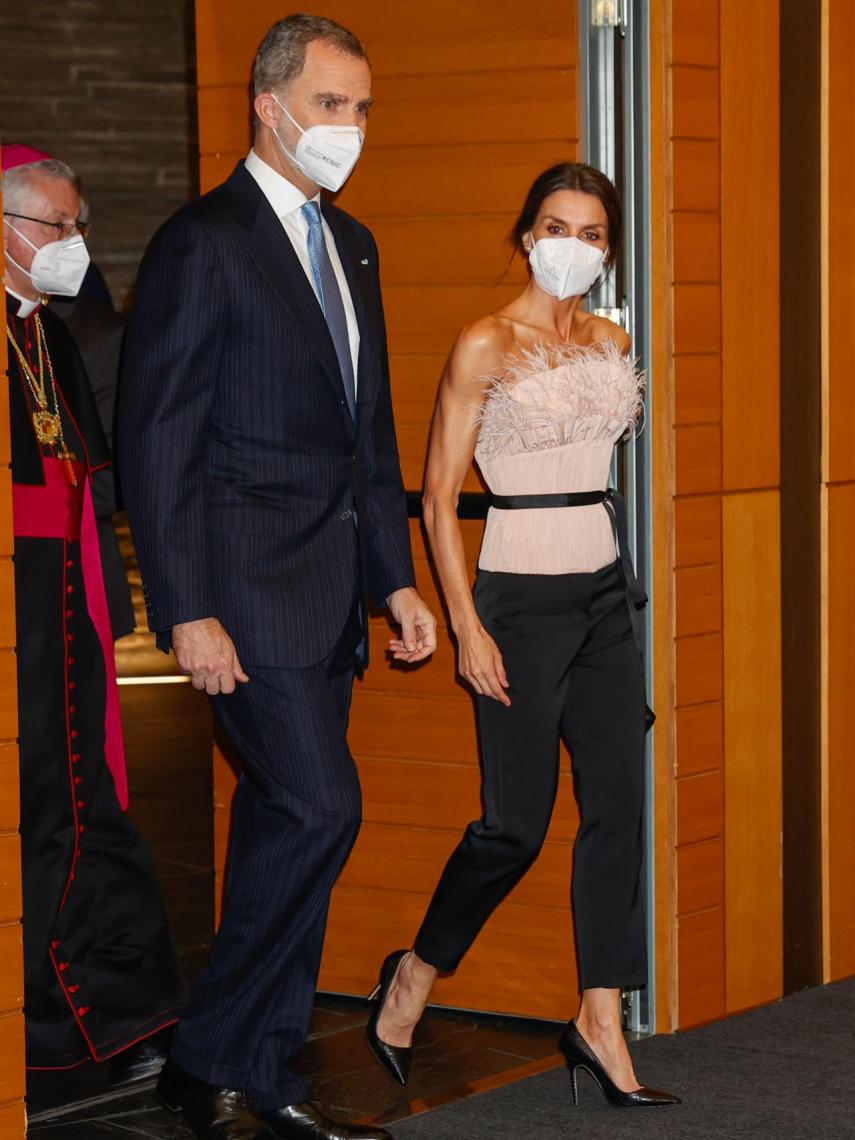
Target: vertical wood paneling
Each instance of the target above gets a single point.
(838, 491)
(11, 958)
(749, 259)
(663, 521)
(839, 294)
(723, 436)
(750, 186)
(752, 737)
(839, 768)
(446, 165)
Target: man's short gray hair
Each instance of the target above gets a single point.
(282, 53)
(16, 183)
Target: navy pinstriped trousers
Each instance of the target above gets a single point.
(296, 814)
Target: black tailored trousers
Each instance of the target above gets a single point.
(295, 816)
(574, 671)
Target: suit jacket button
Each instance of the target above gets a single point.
(345, 515)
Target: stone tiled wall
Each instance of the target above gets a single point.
(109, 86)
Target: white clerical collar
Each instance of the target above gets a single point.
(282, 195)
(26, 307)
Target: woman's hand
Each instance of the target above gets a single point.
(480, 663)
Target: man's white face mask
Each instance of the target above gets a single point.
(58, 267)
(325, 153)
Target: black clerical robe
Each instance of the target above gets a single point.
(100, 968)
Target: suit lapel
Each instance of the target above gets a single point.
(272, 252)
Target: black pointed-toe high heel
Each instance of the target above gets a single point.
(395, 1059)
(579, 1055)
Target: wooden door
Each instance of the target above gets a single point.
(472, 102)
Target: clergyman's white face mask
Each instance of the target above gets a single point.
(325, 153)
(565, 267)
(58, 267)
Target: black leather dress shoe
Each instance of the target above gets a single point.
(213, 1113)
(144, 1059)
(307, 1122)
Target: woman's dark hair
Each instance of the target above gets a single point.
(572, 176)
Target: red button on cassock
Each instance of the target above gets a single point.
(72, 709)
(78, 780)
(69, 564)
(71, 661)
(69, 613)
(70, 637)
(81, 804)
(71, 686)
(69, 589)
(75, 756)
(63, 966)
(83, 1010)
(82, 828)
(74, 734)
(54, 944)
(73, 989)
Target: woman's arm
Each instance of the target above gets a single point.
(450, 452)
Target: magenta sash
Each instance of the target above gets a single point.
(58, 509)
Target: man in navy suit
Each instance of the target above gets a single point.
(262, 480)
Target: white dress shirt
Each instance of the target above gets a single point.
(286, 201)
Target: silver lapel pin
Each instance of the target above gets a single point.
(364, 261)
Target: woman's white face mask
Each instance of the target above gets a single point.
(565, 267)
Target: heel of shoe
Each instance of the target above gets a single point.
(574, 1085)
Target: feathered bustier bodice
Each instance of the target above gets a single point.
(549, 423)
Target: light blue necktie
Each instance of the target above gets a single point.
(329, 295)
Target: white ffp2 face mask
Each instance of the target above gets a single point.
(58, 267)
(565, 267)
(325, 153)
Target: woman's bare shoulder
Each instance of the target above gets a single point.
(481, 346)
(596, 329)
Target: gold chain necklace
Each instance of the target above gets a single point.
(47, 423)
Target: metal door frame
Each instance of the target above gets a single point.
(614, 135)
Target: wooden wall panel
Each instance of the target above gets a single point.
(698, 531)
(701, 967)
(750, 281)
(752, 730)
(446, 165)
(700, 738)
(718, 435)
(698, 459)
(701, 883)
(839, 221)
(839, 790)
(838, 488)
(12, 1118)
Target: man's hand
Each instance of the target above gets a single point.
(418, 626)
(205, 651)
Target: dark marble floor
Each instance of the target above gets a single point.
(167, 729)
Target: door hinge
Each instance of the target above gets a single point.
(609, 13)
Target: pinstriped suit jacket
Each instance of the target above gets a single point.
(240, 463)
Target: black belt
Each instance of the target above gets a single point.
(615, 506)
